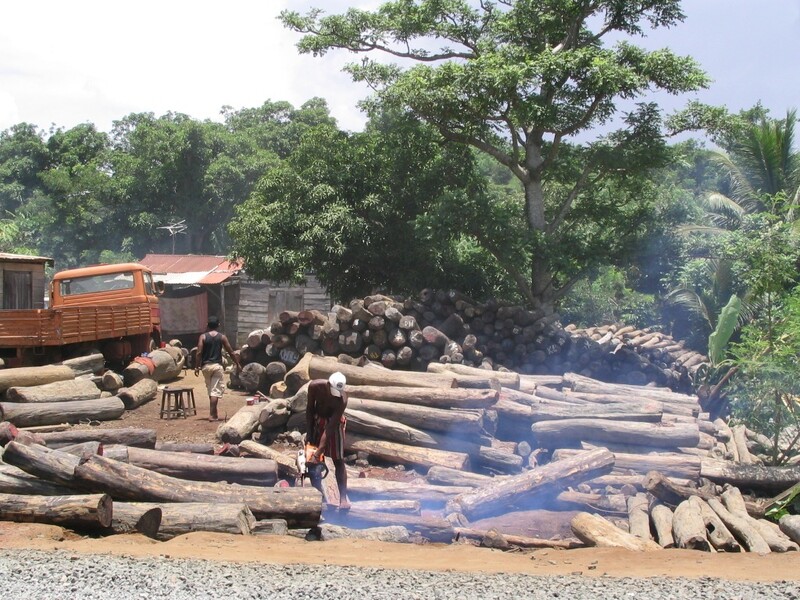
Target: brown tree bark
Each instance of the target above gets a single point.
(596, 531)
(139, 393)
(70, 390)
(33, 376)
(128, 436)
(90, 511)
(50, 413)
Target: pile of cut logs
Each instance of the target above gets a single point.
(446, 328)
(474, 444)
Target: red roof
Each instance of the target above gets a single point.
(202, 269)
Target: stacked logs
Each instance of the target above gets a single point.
(483, 444)
(447, 328)
(120, 481)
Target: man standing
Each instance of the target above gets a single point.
(209, 359)
(325, 426)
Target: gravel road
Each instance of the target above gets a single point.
(58, 575)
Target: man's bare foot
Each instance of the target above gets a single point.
(344, 505)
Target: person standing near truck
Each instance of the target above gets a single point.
(209, 360)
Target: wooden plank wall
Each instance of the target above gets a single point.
(261, 301)
(37, 280)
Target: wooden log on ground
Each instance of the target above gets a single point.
(604, 503)
(553, 434)
(49, 413)
(443, 398)
(740, 440)
(128, 436)
(528, 486)
(186, 517)
(688, 527)
(194, 448)
(661, 517)
(369, 488)
(517, 541)
(579, 383)
(204, 467)
(139, 393)
(755, 477)
(301, 507)
(375, 427)
(86, 365)
(90, 511)
(506, 379)
(677, 410)
(777, 541)
(111, 382)
(32, 376)
(716, 531)
(405, 454)
(70, 390)
(127, 518)
(434, 529)
(47, 464)
(639, 516)
(240, 426)
(447, 476)
(435, 419)
(678, 465)
(405, 507)
(596, 531)
(790, 525)
(83, 449)
(740, 527)
(14, 480)
(320, 368)
(287, 465)
(649, 412)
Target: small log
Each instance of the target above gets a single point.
(639, 517)
(790, 525)
(129, 436)
(274, 413)
(70, 390)
(287, 465)
(740, 527)
(740, 440)
(194, 448)
(405, 507)
(127, 518)
(688, 527)
(678, 465)
(253, 377)
(661, 516)
(446, 476)
(50, 413)
(734, 502)
(186, 517)
(716, 531)
(33, 376)
(596, 531)
(240, 426)
(88, 511)
(518, 541)
(111, 382)
(519, 489)
(139, 393)
(434, 529)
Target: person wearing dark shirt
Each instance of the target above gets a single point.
(209, 360)
(325, 426)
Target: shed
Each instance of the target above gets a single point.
(201, 285)
(22, 280)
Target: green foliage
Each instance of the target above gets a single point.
(607, 299)
(726, 325)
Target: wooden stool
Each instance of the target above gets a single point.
(175, 404)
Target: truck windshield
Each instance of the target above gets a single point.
(96, 283)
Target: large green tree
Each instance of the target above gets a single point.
(519, 80)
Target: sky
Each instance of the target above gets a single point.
(66, 63)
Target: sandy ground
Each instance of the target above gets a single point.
(448, 557)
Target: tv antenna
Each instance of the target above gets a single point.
(174, 229)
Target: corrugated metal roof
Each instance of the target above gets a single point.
(188, 269)
(8, 257)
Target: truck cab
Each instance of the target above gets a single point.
(120, 284)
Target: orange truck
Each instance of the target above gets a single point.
(112, 309)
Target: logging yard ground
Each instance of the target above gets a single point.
(592, 562)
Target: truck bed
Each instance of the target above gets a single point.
(70, 325)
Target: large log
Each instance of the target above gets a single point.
(378, 489)
(406, 507)
(126, 519)
(186, 517)
(287, 465)
(128, 436)
(70, 390)
(321, 368)
(240, 426)
(579, 383)
(50, 465)
(373, 426)
(14, 480)
(506, 378)
(32, 376)
(584, 398)
(594, 530)
(553, 434)
(139, 393)
(526, 487)
(677, 465)
(790, 525)
(405, 454)
(86, 365)
(650, 412)
(688, 526)
(461, 422)
(204, 467)
(740, 527)
(661, 516)
(434, 529)
(639, 516)
(301, 507)
(447, 476)
(777, 541)
(195, 448)
(755, 477)
(431, 397)
(50, 413)
(716, 531)
(86, 511)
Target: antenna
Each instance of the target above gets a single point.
(174, 229)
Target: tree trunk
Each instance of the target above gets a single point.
(553, 434)
(734, 502)
(129, 436)
(422, 417)
(90, 511)
(127, 518)
(595, 531)
(372, 426)
(139, 393)
(434, 529)
(86, 365)
(639, 517)
(321, 368)
(447, 476)
(405, 507)
(50, 465)
(70, 390)
(741, 528)
(14, 480)
(442, 398)
(517, 541)
(405, 454)
(506, 379)
(301, 507)
(287, 465)
(716, 532)
(33, 376)
(688, 526)
(523, 488)
(240, 426)
(661, 516)
(650, 412)
(677, 465)
(756, 477)
(50, 413)
(790, 525)
(194, 448)
(429, 496)
(186, 517)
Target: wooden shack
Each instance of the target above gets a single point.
(23, 281)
